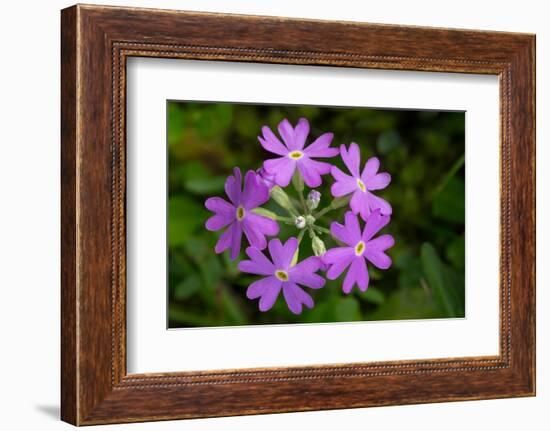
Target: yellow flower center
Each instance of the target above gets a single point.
(296, 155)
(281, 275)
(359, 248)
(240, 213)
(361, 185)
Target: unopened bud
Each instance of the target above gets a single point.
(265, 213)
(280, 196)
(318, 246)
(298, 181)
(295, 257)
(300, 222)
(313, 199)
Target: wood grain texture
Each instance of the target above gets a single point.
(96, 41)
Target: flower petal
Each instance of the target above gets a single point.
(270, 295)
(218, 221)
(274, 147)
(322, 168)
(357, 273)
(265, 225)
(262, 286)
(272, 143)
(370, 169)
(382, 243)
(344, 185)
(352, 226)
(283, 169)
(289, 248)
(308, 279)
(321, 147)
(233, 187)
(224, 242)
(287, 133)
(219, 206)
(300, 133)
(256, 227)
(276, 251)
(236, 240)
(350, 233)
(310, 264)
(359, 203)
(375, 222)
(307, 168)
(255, 192)
(253, 235)
(259, 263)
(378, 181)
(376, 202)
(295, 296)
(378, 258)
(339, 258)
(351, 158)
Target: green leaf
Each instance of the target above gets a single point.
(407, 303)
(205, 186)
(373, 295)
(233, 309)
(187, 287)
(455, 252)
(388, 141)
(211, 271)
(184, 216)
(435, 275)
(347, 310)
(182, 316)
(449, 204)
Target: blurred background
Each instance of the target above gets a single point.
(422, 150)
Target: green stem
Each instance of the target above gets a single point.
(296, 253)
(321, 229)
(334, 205)
(298, 183)
(273, 216)
(300, 236)
(322, 212)
(454, 169)
(303, 202)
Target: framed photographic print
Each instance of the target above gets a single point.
(269, 215)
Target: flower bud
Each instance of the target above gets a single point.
(298, 181)
(300, 222)
(318, 246)
(313, 199)
(280, 196)
(295, 257)
(264, 212)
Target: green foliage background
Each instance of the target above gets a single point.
(422, 150)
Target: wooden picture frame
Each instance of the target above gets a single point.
(95, 43)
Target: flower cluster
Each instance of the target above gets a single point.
(297, 163)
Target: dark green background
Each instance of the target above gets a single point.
(422, 150)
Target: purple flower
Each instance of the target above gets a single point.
(266, 178)
(280, 274)
(363, 201)
(360, 248)
(238, 214)
(293, 154)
